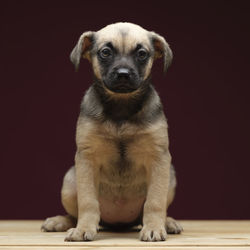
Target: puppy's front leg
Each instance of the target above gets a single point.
(87, 199)
(154, 213)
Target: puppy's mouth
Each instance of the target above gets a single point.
(121, 87)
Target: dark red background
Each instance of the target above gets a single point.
(205, 94)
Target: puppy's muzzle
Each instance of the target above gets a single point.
(122, 80)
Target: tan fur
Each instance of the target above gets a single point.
(148, 69)
(95, 67)
(69, 193)
(97, 145)
(100, 182)
(125, 43)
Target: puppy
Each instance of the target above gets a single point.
(123, 174)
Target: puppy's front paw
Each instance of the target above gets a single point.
(74, 234)
(153, 233)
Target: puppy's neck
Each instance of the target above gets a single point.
(122, 107)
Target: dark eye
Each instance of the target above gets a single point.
(142, 54)
(105, 52)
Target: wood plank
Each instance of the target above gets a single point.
(121, 248)
(199, 234)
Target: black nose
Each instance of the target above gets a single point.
(122, 73)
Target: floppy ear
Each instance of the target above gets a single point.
(162, 49)
(82, 48)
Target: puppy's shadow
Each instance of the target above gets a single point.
(120, 229)
(134, 226)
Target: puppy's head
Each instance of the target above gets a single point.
(122, 55)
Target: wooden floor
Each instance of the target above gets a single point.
(197, 234)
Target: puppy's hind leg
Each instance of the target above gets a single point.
(69, 200)
(58, 223)
(173, 226)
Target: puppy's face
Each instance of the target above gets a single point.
(122, 70)
(122, 55)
